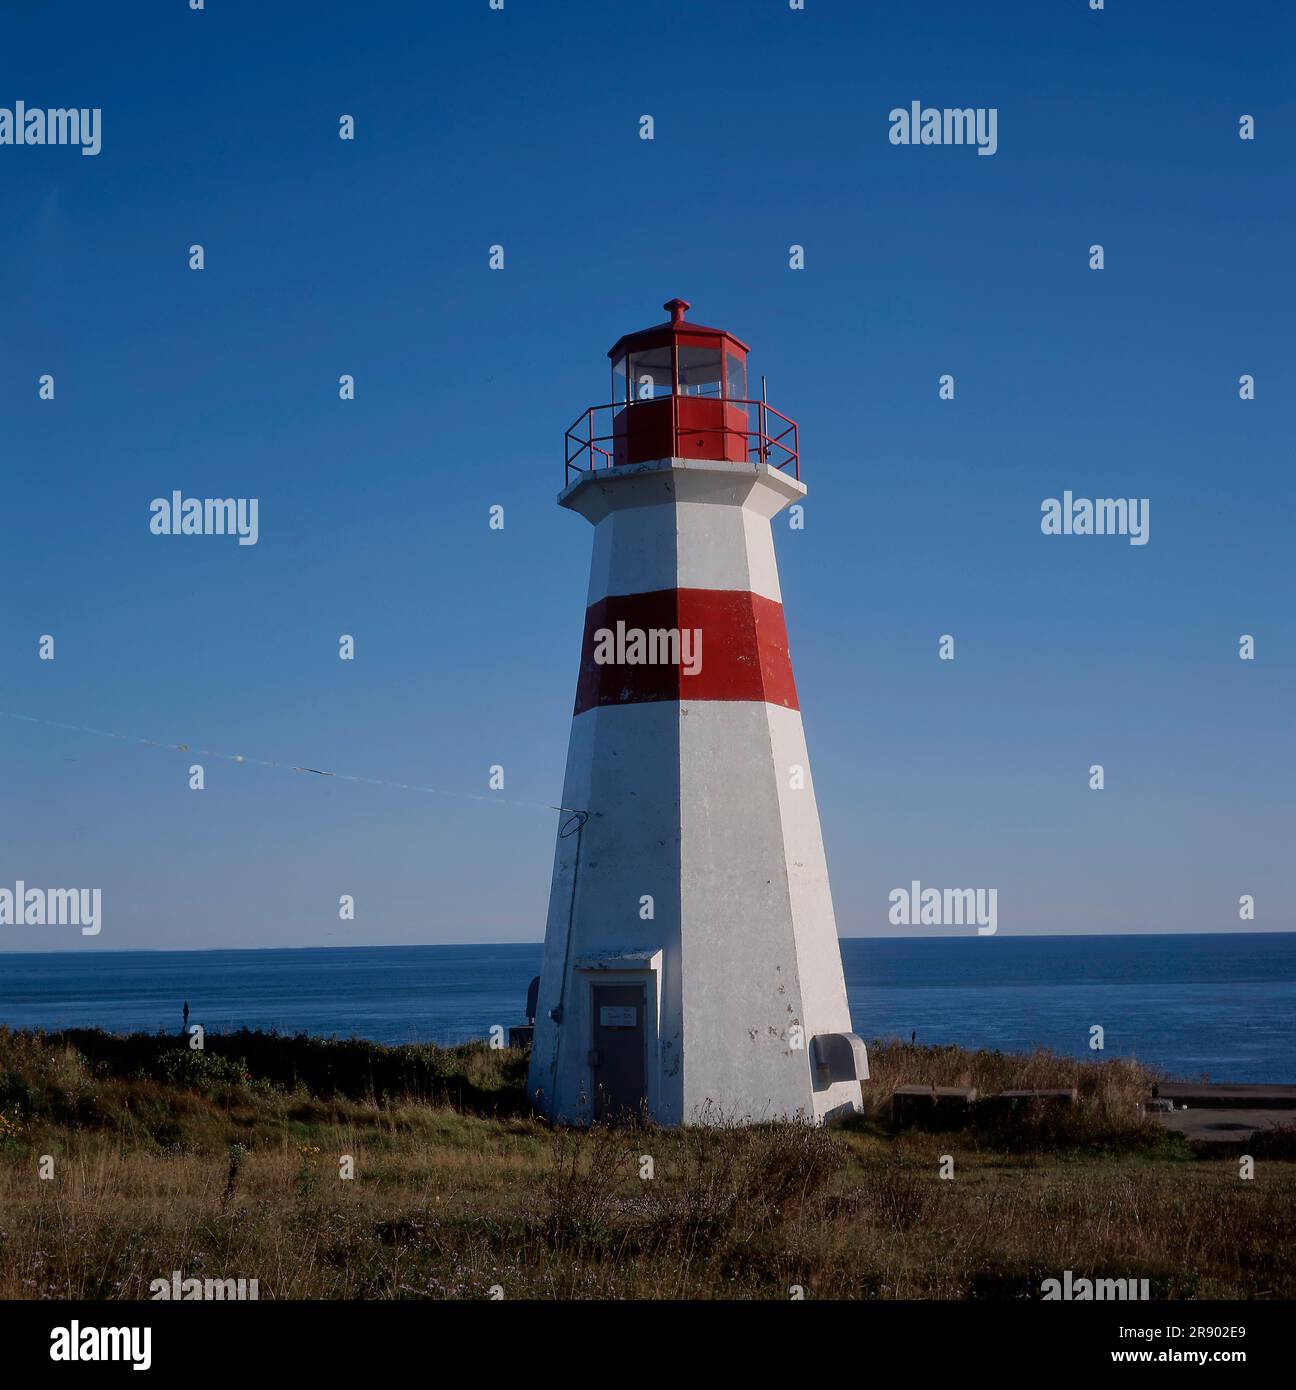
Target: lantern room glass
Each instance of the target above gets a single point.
(651, 374)
(736, 376)
(700, 371)
(619, 396)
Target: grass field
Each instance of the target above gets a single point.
(227, 1163)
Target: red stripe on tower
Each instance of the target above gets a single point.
(685, 644)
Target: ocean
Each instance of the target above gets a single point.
(1223, 1006)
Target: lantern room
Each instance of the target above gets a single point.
(679, 390)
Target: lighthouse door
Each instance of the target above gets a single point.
(617, 1052)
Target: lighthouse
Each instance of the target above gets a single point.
(692, 972)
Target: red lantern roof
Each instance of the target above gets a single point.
(675, 329)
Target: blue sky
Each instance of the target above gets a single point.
(476, 127)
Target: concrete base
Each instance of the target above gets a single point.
(1010, 1103)
(1222, 1112)
(1216, 1125)
(1226, 1095)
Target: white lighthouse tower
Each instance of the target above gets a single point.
(692, 972)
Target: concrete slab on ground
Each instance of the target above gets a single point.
(1227, 1095)
(1217, 1124)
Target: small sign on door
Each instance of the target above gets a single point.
(618, 1016)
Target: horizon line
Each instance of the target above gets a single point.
(539, 942)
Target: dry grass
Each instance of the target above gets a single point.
(1117, 1084)
(1109, 1116)
(228, 1176)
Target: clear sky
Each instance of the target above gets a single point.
(370, 257)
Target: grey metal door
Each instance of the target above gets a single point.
(617, 1052)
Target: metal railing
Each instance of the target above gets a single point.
(772, 441)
